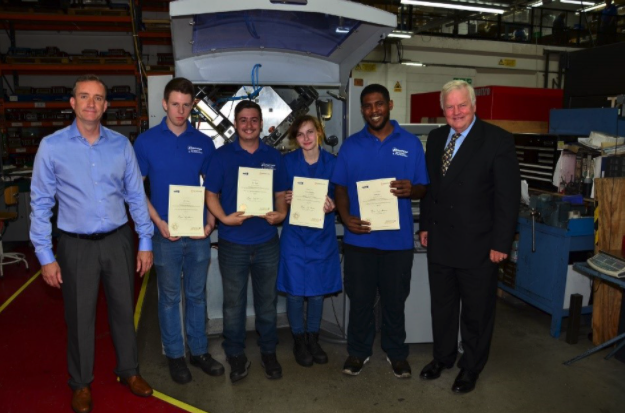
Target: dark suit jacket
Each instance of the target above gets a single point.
(474, 208)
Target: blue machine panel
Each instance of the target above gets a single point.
(580, 122)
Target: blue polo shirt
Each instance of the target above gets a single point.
(168, 159)
(223, 170)
(363, 157)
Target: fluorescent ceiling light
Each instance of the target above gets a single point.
(582, 3)
(401, 34)
(537, 4)
(595, 7)
(409, 63)
(454, 6)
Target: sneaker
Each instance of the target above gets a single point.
(210, 366)
(300, 350)
(353, 365)
(401, 368)
(318, 355)
(273, 369)
(178, 370)
(239, 366)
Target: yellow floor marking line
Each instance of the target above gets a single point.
(177, 403)
(18, 292)
(139, 305)
(157, 394)
(144, 284)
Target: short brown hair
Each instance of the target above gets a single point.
(179, 84)
(88, 78)
(299, 121)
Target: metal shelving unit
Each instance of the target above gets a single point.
(38, 122)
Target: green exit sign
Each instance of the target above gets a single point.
(467, 79)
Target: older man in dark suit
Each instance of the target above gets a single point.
(468, 219)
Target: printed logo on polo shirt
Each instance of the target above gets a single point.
(400, 152)
(194, 149)
(268, 166)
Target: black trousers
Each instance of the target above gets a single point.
(368, 271)
(83, 264)
(477, 290)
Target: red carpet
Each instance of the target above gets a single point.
(33, 371)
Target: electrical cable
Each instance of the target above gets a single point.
(255, 88)
(251, 28)
(140, 65)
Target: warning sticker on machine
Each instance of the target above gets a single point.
(507, 62)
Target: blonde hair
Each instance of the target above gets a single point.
(456, 85)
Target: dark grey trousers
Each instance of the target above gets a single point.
(83, 264)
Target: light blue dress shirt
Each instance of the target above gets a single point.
(91, 184)
(459, 141)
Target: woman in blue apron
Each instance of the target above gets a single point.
(309, 257)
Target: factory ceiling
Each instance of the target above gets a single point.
(434, 18)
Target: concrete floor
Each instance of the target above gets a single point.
(524, 374)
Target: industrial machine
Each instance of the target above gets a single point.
(291, 57)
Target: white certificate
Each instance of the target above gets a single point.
(186, 211)
(255, 191)
(309, 196)
(377, 204)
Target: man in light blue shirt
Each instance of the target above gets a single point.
(92, 172)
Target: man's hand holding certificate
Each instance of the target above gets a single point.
(186, 211)
(255, 191)
(307, 205)
(377, 204)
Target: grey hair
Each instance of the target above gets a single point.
(456, 85)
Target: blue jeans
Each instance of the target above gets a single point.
(236, 261)
(188, 258)
(295, 312)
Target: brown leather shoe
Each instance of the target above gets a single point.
(137, 385)
(81, 400)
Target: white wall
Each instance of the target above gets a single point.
(447, 59)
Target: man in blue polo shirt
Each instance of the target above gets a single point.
(378, 261)
(247, 244)
(174, 153)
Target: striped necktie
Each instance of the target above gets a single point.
(449, 151)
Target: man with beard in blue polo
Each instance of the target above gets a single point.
(175, 153)
(247, 243)
(378, 261)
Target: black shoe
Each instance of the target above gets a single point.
(210, 366)
(318, 355)
(401, 368)
(273, 369)
(300, 350)
(465, 382)
(433, 370)
(353, 365)
(178, 370)
(239, 366)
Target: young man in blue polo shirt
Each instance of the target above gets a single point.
(378, 261)
(247, 244)
(174, 153)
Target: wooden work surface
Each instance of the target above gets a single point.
(609, 194)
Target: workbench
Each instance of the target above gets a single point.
(619, 341)
(541, 275)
